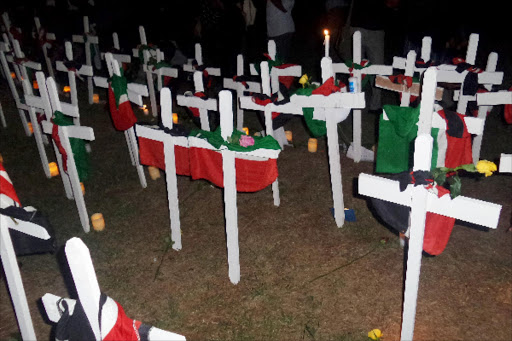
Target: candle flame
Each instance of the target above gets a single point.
(67, 89)
(326, 32)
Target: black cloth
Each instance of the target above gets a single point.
(25, 244)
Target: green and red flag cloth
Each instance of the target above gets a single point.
(7, 192)
(120, 107)
(355, 66)
(80, 154)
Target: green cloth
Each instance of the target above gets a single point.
(119, 85)
(80, 154)
(396, 140)
(365, 78)
(216, 140)
(316, 127)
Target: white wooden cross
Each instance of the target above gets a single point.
(88, 290)
(230, 83)
(120, 57)
(426, 49)
(169, 142)
(448, 74)
(332, 109)
(406, 91)
(12, 271)
(2, 117)
(421, 200)
(198, 57)
(36, 104)
(229, 178)
(358, 74)
(80, 70)
(70, 178)
(497, 98)
(203, 105)
(89, 40)
(44, 39)
(135, 93)
(5, 49)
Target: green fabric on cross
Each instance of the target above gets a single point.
(316, 127)
(216, 140)
(80, 154)
(364, 80)
(119, 85)
(396, 139)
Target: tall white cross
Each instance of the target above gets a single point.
(135, 93)
(90, 41)
(358, 74)
(198, 57)
(332, 109)
(73, 72)
(44, 39)
(421, 200)
(169, 142)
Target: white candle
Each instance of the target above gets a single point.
(326, 42)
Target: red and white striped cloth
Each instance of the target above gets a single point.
(8, 196)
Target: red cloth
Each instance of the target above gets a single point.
(122, 117)
(7, 188)
(124, 329)
(287, 81)
(152, 154)
(458, 151)
(251, 176)
(507, 112)
(328, 88)
(195, 111)
(62, 150)
(438, 229)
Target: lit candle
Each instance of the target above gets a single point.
(326, 42)
(312, 145)
(67, 88)
(35, 85)
(98, 223)
(246, 130)
(145, 110)
(83, 188)
(54, 169)
(289, 135)
(13, 75)
(175, 118)
(1, 158)
(95, 98)
(30, 127)
(154, 172)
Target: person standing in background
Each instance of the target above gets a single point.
(280, 25)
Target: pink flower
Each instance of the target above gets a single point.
(246, 141)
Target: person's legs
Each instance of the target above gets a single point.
(284, 45)
(373, 49)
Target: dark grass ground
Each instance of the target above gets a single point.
(302, 278)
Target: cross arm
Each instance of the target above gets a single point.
(84, 69)
(79, 132)
(462, 208)
(26, 227)
(494, 98)
(196, 102)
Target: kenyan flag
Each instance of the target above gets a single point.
(120, 107)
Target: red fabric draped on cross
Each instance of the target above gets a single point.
(507, 112)
(62, 150)
(200, 163)
(438, 229)
(458, 151)
(195, 111)
(6, 186)
(125, 328)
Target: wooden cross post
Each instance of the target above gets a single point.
(169, 142)
(203, 105)
(497, 98)
(22, 107)
(402, 63)
(370, 70)
(332, 109)
(36, 104)
(88, 290)
(89, 40)
(230, 83)
(421, 200)
(44, 39)
(73, 72)
(2, 117)
(65, 133)
(135, 93)
(12, 271)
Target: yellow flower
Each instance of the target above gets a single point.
(375, 334)
(304, 80)
(486, 167)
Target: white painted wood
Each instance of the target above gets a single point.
(202, 105)
(505, 163)
(87, 39)
(170, 163)
(2, 117)
(41, 34)
(421, 201)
